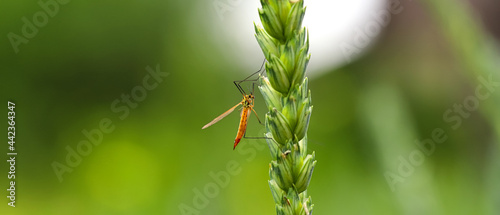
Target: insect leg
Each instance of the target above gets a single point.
(237, 83)
(257, 116)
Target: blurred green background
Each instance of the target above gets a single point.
(367, 115)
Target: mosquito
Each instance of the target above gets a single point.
(247, 105)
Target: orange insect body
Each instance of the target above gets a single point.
(247, 104)
(245, 113)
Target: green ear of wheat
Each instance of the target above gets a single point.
(285, 45)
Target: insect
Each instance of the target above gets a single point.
(247, 105)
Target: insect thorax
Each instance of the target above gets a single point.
(248, 100)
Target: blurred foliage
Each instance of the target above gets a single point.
(367, 114)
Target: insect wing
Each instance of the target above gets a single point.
(221, 116)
